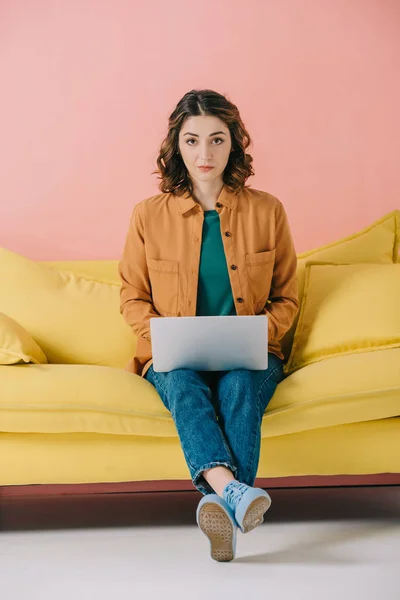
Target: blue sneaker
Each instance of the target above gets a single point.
(249, 507)
(217, 521)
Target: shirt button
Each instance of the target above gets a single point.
(233, 267)
(218, 204)
(240, 299)
(228, 233)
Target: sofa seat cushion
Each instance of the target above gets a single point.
(349, 388)
(80, 398)
(95, 399)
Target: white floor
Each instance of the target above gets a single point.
(286, 557)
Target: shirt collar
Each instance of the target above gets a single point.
(226, 197)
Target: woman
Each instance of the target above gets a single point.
(209, 245)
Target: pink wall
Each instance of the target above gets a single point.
(87, 87)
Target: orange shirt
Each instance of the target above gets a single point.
(159, 267)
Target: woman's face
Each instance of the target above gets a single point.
(205, 141)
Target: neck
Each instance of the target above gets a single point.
(207, 193)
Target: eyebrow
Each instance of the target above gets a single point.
(215, 133)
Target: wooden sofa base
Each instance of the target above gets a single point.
(77, 489)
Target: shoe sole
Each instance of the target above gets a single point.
(254, 515)
(217, 526)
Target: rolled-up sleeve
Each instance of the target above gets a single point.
(136, 305)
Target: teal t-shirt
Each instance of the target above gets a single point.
(214, 293)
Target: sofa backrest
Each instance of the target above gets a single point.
(71, 308)
(377, 243)
(73, 316)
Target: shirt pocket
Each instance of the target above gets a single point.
(164, 280)
(260, 268)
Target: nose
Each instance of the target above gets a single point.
(205, 152)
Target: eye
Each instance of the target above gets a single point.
(193, 140)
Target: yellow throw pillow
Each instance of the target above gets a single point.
(74, 319)
(346, 309)
(104, 271)
(16, 345)
(373, 244)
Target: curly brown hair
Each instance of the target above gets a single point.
(174, 176)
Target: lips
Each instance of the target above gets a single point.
(206, 168)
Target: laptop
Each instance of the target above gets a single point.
(215, 343)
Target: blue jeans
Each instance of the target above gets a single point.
(218, 416)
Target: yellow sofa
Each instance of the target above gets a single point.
(71, 416)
